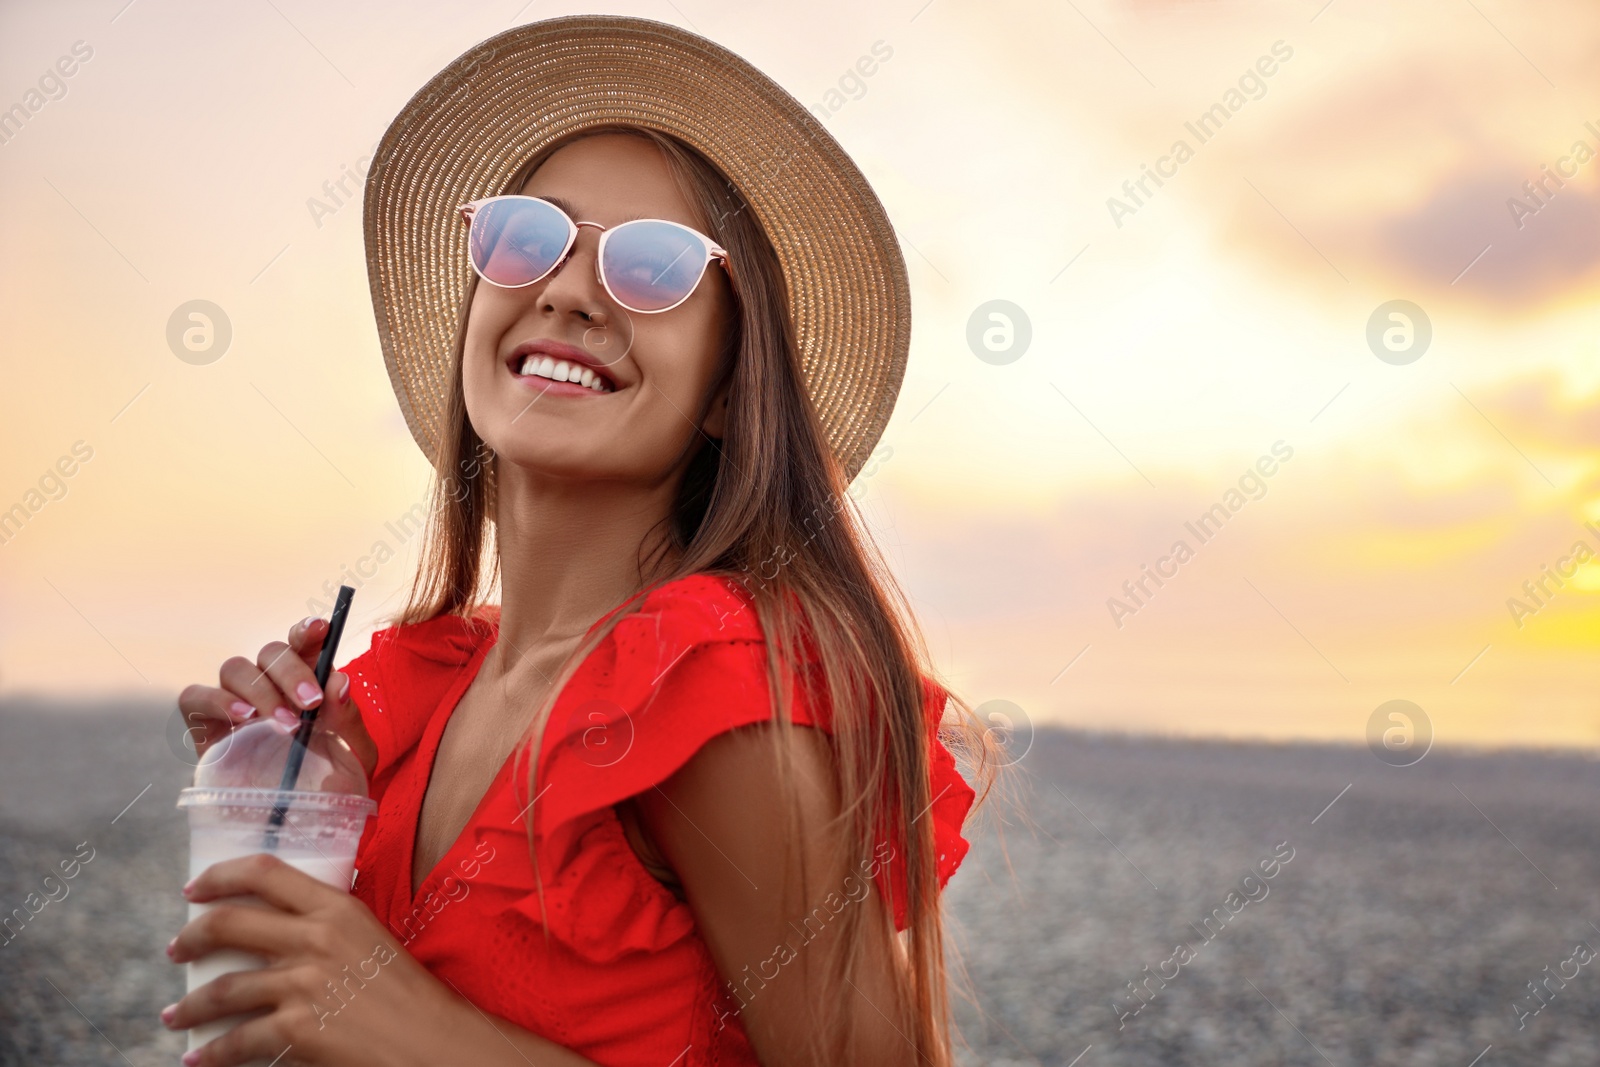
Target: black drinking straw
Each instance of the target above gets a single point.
(308, 717)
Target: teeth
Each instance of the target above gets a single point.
(562, 371)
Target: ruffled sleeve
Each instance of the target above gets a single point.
(688, 666)
(952, 800)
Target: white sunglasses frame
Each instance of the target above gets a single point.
(710, 250)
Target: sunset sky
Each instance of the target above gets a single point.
(1176, 339)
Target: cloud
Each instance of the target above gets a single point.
(1553, 252)
(1538, 408)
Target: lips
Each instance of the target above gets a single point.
(560, 364)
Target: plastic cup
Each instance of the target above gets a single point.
(319, 836)
(230, 808)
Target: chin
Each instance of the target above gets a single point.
(529, 457)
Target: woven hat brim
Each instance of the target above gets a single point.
(468, 131)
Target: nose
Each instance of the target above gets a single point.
(573, 288)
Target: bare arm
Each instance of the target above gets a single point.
(720, 824)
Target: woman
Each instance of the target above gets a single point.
(730, 846)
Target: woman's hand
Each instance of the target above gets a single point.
(338, 988)
(281, 683)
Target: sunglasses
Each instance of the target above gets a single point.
(646, 265)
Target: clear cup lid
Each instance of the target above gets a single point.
(252, 759)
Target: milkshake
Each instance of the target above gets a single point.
(230, 809)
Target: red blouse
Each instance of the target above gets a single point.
(612, 965)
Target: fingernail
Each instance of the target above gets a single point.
(188, 887)
(174, 941)
(287, 716)
(240, 710)
(309, 621)
(167, 1013)
(191, 1058)
(344, 689)
(308, 693)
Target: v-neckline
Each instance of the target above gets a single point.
(427, 757)
(428, 754)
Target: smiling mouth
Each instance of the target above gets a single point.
(561, 371)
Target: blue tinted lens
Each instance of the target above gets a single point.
(651, 265)
(515, 242)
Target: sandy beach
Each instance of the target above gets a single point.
(1123, 917)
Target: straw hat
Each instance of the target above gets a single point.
(465, 134)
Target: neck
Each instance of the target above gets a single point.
(570, 551)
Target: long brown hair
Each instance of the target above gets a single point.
(767, 507)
